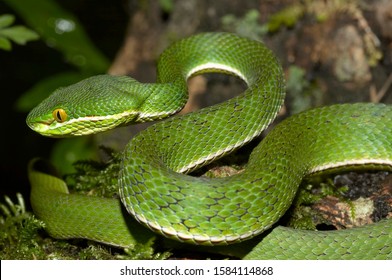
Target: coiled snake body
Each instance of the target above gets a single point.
(153, 183)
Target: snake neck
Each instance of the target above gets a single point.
(240, 119)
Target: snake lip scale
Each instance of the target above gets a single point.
(153, 183)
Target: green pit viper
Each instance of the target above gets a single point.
(153, 183)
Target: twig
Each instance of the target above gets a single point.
(377, 96)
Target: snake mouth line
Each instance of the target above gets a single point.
(81, 125)
(48, 122)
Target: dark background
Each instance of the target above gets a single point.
(313, 45)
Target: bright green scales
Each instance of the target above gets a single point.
(225, 210)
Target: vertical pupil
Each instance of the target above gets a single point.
(59, 115)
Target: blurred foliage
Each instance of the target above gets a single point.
(320, 10)
(286, 17)
(18, 34)
(250, 26)
(303, 93)
(166, 5)
(247, 26)
(69, 150)
(61, 31)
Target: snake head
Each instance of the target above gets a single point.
(92, 105)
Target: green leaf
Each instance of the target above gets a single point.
(5, 44)
(69, 150)
(287, 17)
(166, 5)
(6, 20)
(19, 34)
(61, 30)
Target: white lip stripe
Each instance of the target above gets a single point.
(95, 118)
(209, 65)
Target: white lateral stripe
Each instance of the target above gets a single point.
(213, 65)
(219, 153)
(364, 161)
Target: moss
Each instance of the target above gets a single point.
(22, 235)
(288, 17)
(248, 25)
(19, 231)
(98, 178)
(301, 214)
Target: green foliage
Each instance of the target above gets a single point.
(18, 34)
(145, 252)
(62, 31)
(69, 150)
(248, 25)
(18, 231)
(301, 215)
(303, 93)
(21, 235)
(297, 86)
(166, 5)
(99, 178)
(286, 17)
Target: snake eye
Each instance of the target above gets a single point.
(59, 115)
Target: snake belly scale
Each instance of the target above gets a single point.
(153, 182)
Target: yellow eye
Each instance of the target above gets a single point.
(59, 115)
